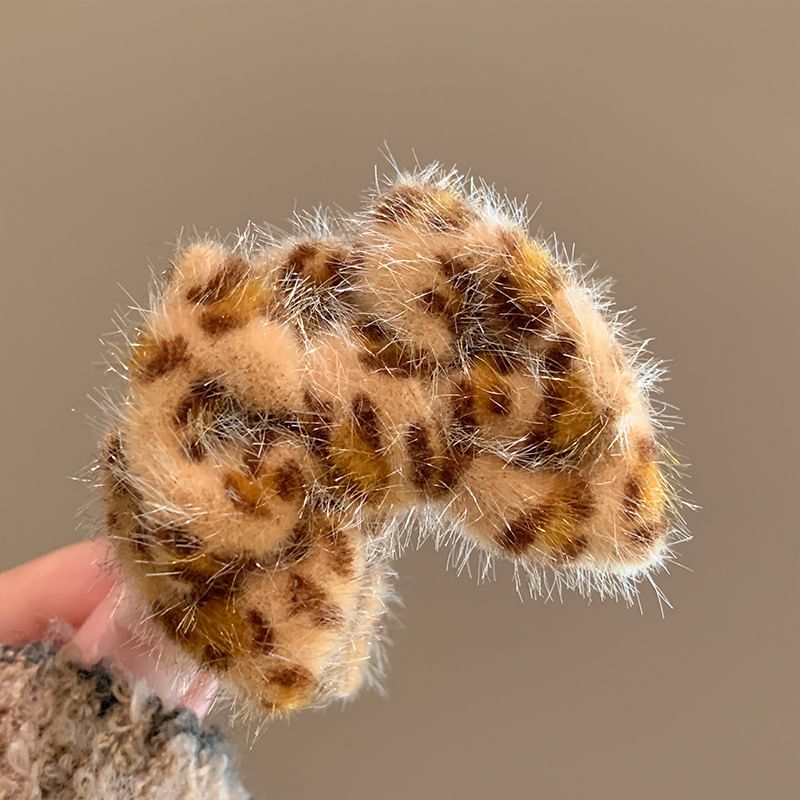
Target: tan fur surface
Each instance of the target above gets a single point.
(296, 407)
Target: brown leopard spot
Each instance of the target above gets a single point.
(263, 634)
(299, 545)
(437, 209)
(309, 598)
(536, 445)
(215, 580)
(632, 496)
(521, 316)
(300, 256)
(463, 406)
(216, 658)
(139, 540)
(316, 404)
(573, 548)
(455, 463)
(453, 266)
(560, 355)
(289, 481)
(315, 424)
(573, 412)
(178, 541)
(217, 324)
(170, 619)
(255, 488)
(433, 302)
(356, 465)
(316, 533)
(491, 392)
(366, 421)
(520, 534)
(320, 264)
(341, 554)
(200, 413)
(650, 532)
(337, 546)
(421, 455)
(221, 285)
(529, 267)
(112, 452)
(383, 353)
(153, 357)
(500, 402)
(293, 677)
(578, 499)
(646, 449)
(399, 205)
(245, 301)
(445, 304)
(249, 495)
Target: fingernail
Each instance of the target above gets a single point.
(107, 634)
(201, 694)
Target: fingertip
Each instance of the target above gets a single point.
(201, 694)
(108, 635)
(64, 586)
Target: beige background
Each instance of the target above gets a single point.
(660, 137)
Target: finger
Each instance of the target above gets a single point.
(107, 635)
(202, 694)
(64, 585)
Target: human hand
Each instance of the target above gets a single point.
(71, 587)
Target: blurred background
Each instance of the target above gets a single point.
(660, 137)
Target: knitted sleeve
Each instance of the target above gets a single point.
(71, 732)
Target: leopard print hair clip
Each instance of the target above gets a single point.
(299, 408)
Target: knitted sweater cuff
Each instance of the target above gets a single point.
(71, 732)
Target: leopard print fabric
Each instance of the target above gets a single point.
(297, 409)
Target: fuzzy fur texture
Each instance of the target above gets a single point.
(298, 408)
